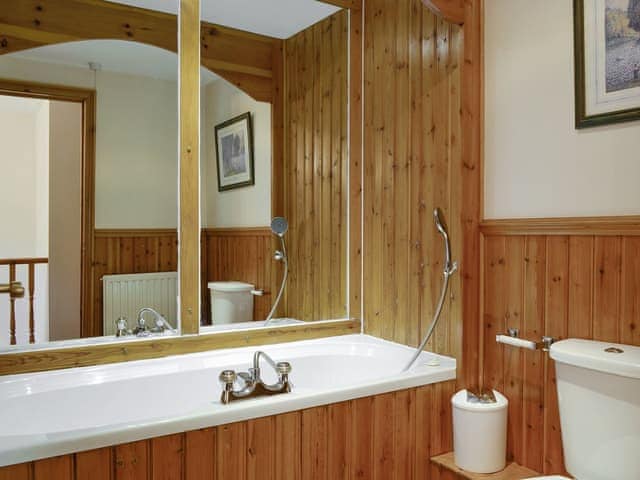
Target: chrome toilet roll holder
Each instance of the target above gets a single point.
(544, 344)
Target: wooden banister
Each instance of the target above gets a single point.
(31, 282)
(23, 261)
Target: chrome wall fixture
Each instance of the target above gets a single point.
(449, 268)
(279, 227)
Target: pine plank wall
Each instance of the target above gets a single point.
(316, 178)
(412, 147)
(564, 284)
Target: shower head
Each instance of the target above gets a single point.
(441, 225)
(279, 226)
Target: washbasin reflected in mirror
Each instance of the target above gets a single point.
(88, 195)
(274, 174)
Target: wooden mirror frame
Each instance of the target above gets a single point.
(21, 32)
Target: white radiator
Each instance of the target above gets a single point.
(125, 295)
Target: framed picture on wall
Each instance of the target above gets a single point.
(234, 153)
(607, 61)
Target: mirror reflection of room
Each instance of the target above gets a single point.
(274, 208)
(88, 191)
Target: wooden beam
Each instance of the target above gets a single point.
(357, 4)
(189, 232)
(451, 10)
(103, 354)
(356, 28)
(243, 58)
(470, 175)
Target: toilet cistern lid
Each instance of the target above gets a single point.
(612, 358)
(230, 287)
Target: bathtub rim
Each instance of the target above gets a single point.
(40, 446)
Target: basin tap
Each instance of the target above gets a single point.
(252, 383)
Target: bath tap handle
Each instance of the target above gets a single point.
(122, 329)
(227, 378)
(283, 368)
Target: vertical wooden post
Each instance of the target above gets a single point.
(189, 231)
(355, 161)
(32, 290)
(12, 307)
(469, 374)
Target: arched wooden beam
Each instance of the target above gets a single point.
(241, 57)
(356, 4)
(450, 10)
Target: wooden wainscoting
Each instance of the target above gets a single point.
(413, 149)
(127, 251)
(316, 182)
(566, 278)
(390, 437)
(242, 254)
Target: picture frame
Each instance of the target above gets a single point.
(234, 153)
(607, 62)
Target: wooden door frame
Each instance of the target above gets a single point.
(87, 98)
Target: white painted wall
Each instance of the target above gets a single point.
(536, 163)
(137, 152)
(246, 206)
(18, 162)
(65, 219)
(24, 158)
(136, 141)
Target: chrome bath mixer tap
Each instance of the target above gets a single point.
(253, 385)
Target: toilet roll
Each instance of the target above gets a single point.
(516, 342)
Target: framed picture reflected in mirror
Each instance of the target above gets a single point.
(234, 153)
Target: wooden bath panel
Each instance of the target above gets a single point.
(388, 436)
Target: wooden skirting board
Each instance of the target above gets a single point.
(513, 471)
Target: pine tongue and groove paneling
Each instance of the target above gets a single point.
(412, 132)
(565, 286)
(387, 437)
(316, 184)
(239, 254)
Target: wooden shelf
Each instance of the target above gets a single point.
(513, 471)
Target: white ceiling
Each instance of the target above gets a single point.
(275, 18)
(113, 56)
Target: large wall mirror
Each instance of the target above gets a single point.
(89, 146)
(274, 200)
(89, 140)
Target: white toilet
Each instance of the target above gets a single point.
(231, 302)
(599, 397)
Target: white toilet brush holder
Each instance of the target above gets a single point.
(480, 431)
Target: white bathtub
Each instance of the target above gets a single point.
(55, 413)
